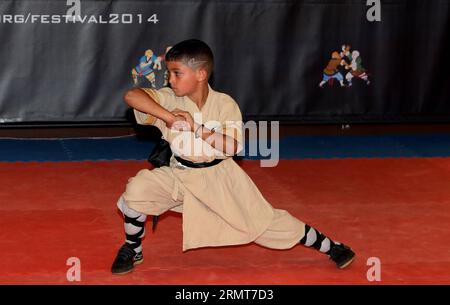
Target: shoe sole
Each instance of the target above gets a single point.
(347, 263)
(128, 271)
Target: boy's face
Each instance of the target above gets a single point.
(183, 79)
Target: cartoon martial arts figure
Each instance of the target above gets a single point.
(357, 70)
(145, 68)
(331, 70)
(346, 55)
(158, 66)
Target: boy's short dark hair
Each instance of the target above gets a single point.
(193, 53)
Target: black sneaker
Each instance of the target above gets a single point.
(342, 255)
(126, 259)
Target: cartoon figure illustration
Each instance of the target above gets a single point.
(346, 54)
(331, 70)
(346, 62)
(356, 69)
(145, 68)
(158, 66)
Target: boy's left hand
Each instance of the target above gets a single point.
(187, 116)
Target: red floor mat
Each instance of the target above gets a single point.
(397, 210)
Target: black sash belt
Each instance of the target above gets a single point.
(198, 165)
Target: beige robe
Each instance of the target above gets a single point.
(220, 204)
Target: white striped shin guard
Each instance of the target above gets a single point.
(134, 225)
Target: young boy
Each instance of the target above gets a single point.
(220, 203)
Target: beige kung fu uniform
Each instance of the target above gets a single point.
(220, 204)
